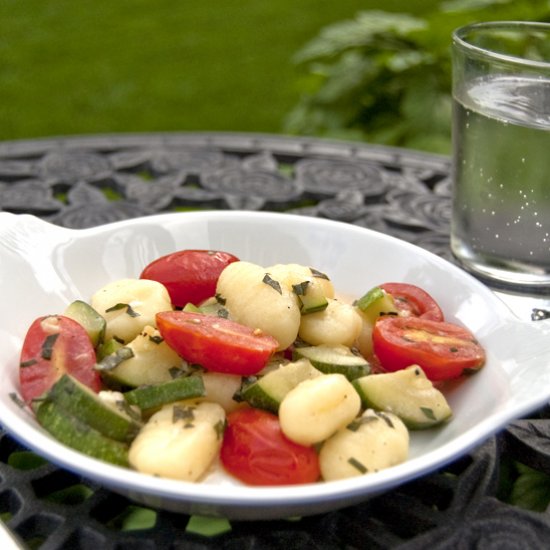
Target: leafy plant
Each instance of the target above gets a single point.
(386, 77)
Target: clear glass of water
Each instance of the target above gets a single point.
(500, 229)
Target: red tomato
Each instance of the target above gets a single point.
(190, 276)
(55, 345)
(412, 300)
(217, 344)
(256, 451)
(443, 350)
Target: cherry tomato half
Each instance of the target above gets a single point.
(443, 350)
(412, 300)
(217, 344)
(190, 276)
(256, 451)
(55, 345)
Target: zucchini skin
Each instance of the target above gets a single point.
(76, 400)
(78, 435)
(179, 389)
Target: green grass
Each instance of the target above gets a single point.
(105, 66)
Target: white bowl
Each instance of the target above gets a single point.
(44, 267)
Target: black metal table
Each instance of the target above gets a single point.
(90, 180)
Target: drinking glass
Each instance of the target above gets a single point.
(500, 228)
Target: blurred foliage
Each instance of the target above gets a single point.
(386, 77)
(531, 489)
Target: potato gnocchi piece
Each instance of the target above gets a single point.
(221, 388)
(128, 305)
(153, 361)
(338, 324)
(316, 408)
(180, 441)
(372, 442)
(312, 287)
(259, 301)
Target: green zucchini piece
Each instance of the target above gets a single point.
(150, 397)
(407, 393)
(107, 348)
(375, 303)
(311, 299)
(94, 324)
(112, 419)
(267, 392)
(214, 307)
(334, 359)
(75, 433)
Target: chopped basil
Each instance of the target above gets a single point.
(113, 360)
(272, 283)
(28, 363)
(156, 339)
(176, 372)
(428, 413)
(47, 346)
(17, 400)
(183, 413)
(318, 274)
(123, 406)
(359, 466)
(220, 299)
(357, 423)
(223, 313)
(453, 350)
(385, 418)
(301, 288)
(129, 311)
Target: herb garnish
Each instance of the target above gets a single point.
(47, 346)
(301, 288)
(318, 274)
(358, 465)
(114, 359)
(129, 310)
(428, 413)
(272, 283)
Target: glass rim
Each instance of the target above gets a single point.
(459, 39)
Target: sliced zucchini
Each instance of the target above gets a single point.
(376, 302)
(334, 359)
(268, 391)
(213, 306)
(107, 348)
(150, 397)
(78, 435)
(89, 318)
(109, 418)
(407, 393)
(312, 298)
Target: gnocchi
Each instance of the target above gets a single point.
(323, 401)
(376, 440)
(180, 441)
(318, 407)
(255, 299)
(128, 305)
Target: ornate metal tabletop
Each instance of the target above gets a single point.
(90, 180)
